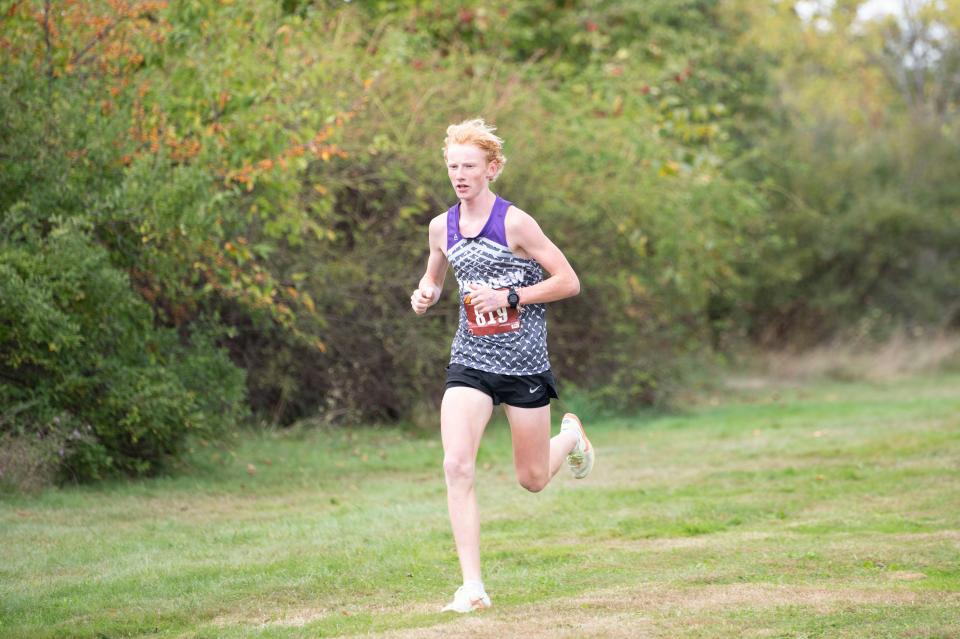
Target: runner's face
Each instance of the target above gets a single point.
(468, 169)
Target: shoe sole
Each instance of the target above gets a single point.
(475, 605)
(588, 447)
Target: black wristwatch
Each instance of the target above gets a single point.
(512, 298)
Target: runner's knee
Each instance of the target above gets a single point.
(534, 482)
(458, 470)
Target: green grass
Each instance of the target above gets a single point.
(828, 510)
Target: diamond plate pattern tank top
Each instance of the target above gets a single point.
(487, 259)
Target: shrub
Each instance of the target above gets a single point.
(84, 364)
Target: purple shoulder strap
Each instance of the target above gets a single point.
(453, 225)
(496, 229)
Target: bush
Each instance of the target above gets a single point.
(260, 175)
(867, 235)
(650, 222)
(85, 366)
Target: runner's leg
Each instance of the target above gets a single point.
(464, 414)
(536, 456)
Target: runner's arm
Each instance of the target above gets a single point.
(431, 284)
(528, 239)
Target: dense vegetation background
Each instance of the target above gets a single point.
(216, 210)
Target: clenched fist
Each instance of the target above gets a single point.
(421, 300)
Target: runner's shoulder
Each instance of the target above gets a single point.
(516, 219)
(438, 223)
(438, 229)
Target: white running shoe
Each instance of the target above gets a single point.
(468, 599)
(580, 458)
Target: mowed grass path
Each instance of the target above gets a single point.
(820, 511)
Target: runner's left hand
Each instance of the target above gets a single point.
(486, 299)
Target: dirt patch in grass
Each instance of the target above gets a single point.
(906, 575)
(674, 543)
(555, 621)
(296, 617)
(632, 612)
(940, 535)
(264, 618)
(724, 596)
(637, 610)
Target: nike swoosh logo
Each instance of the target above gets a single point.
(534, 390)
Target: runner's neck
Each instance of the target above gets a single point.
(478, 208)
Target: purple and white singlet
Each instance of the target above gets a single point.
(487, 259)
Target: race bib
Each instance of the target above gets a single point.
(502, 320)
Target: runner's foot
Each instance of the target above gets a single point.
(580, 458)
(467, 599)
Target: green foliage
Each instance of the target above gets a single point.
(106, 366)
(259, 176)
(861, 179)
(83, 363)
(648, 219)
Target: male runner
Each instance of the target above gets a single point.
(499, 352)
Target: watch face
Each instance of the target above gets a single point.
(512, 299)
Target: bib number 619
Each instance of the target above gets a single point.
(502, 320)
(497, 317)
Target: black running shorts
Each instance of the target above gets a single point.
(522, 391)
